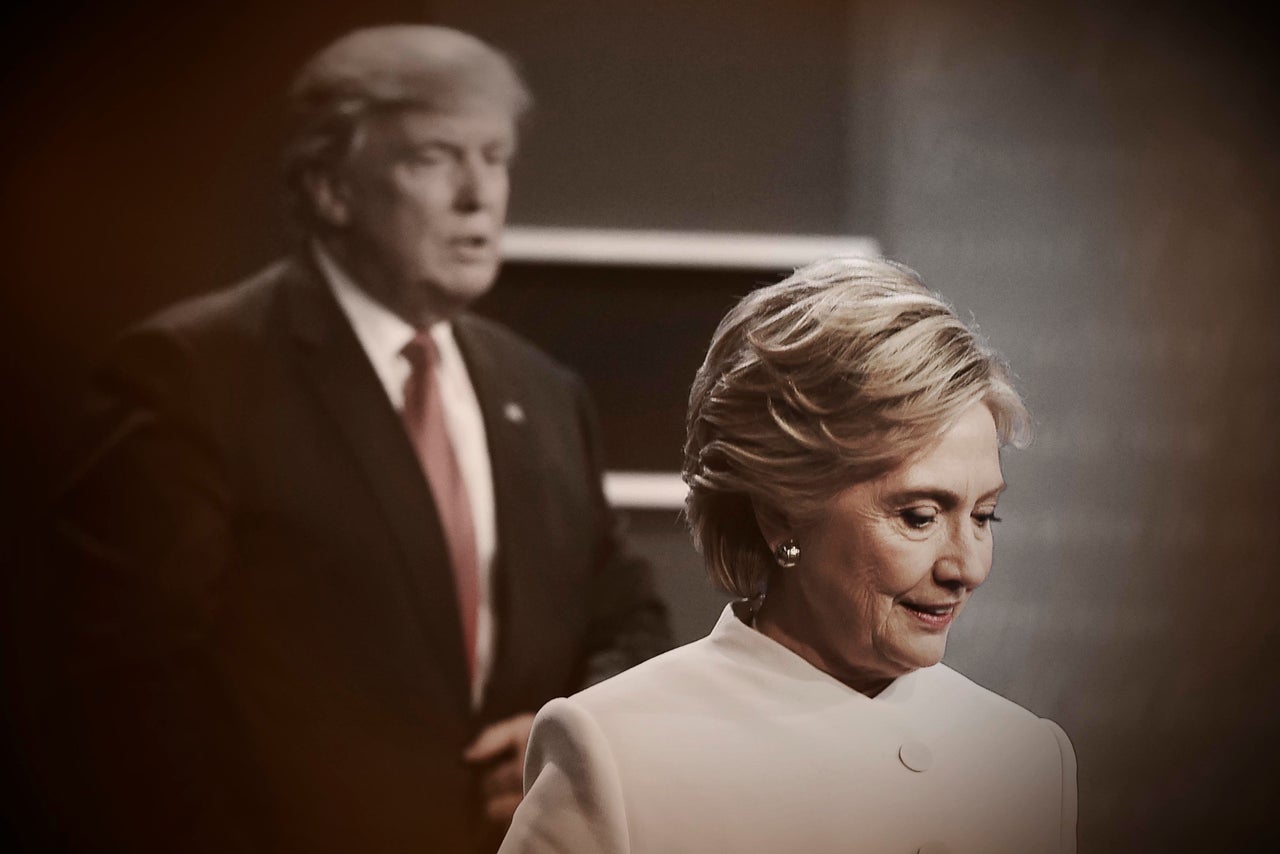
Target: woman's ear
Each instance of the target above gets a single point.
(328, 196)
(774, 525)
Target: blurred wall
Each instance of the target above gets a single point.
(1093, 181)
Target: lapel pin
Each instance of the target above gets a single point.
(513, 412)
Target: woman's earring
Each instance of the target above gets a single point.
(787, 554)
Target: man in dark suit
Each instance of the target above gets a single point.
(339, 539)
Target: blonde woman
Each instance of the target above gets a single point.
(843, 462)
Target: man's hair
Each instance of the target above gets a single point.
(834, 376)
(387, 68)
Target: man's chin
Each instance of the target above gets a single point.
(455, 292)
(472, 281)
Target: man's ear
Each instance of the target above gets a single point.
(774, 525)
(328, 196)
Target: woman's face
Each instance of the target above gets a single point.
(891, 562)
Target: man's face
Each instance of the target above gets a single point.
(421, 204)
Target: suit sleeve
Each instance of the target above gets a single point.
(142, 527)
(573, 799)
(141, 543)
(1069, 792)
(628, 621)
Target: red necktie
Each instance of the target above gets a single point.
(424, 419)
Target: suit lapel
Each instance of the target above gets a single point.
(334, 363)
(513, 455)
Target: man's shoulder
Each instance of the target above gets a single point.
(215, 340)
(243, 305)
(201, 351)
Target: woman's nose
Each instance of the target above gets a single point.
(965, 561)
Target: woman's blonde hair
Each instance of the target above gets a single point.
(839, 373)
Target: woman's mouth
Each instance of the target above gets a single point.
(936, 617)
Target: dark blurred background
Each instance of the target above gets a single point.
(1094, 181)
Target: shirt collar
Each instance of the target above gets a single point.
(382, 332)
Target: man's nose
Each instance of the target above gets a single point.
(477, 184)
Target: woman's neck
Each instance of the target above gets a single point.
(776, 621)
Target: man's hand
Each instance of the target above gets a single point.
(502, 744)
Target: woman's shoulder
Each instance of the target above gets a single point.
(943, 680)
(652, 684)
(733, 666)
(943, 691)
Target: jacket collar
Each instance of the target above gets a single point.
(740, 641)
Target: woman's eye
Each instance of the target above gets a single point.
(985, 518)
(919, 518)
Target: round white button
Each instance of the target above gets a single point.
(916, 756)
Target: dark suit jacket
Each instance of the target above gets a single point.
(265, 647)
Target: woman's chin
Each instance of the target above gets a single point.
(918, 651)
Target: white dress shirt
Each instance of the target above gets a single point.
(383, 335)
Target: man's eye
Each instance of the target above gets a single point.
(986, 518)
(427, 157)
(919, 518)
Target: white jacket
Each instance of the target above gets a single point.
(735, 744)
